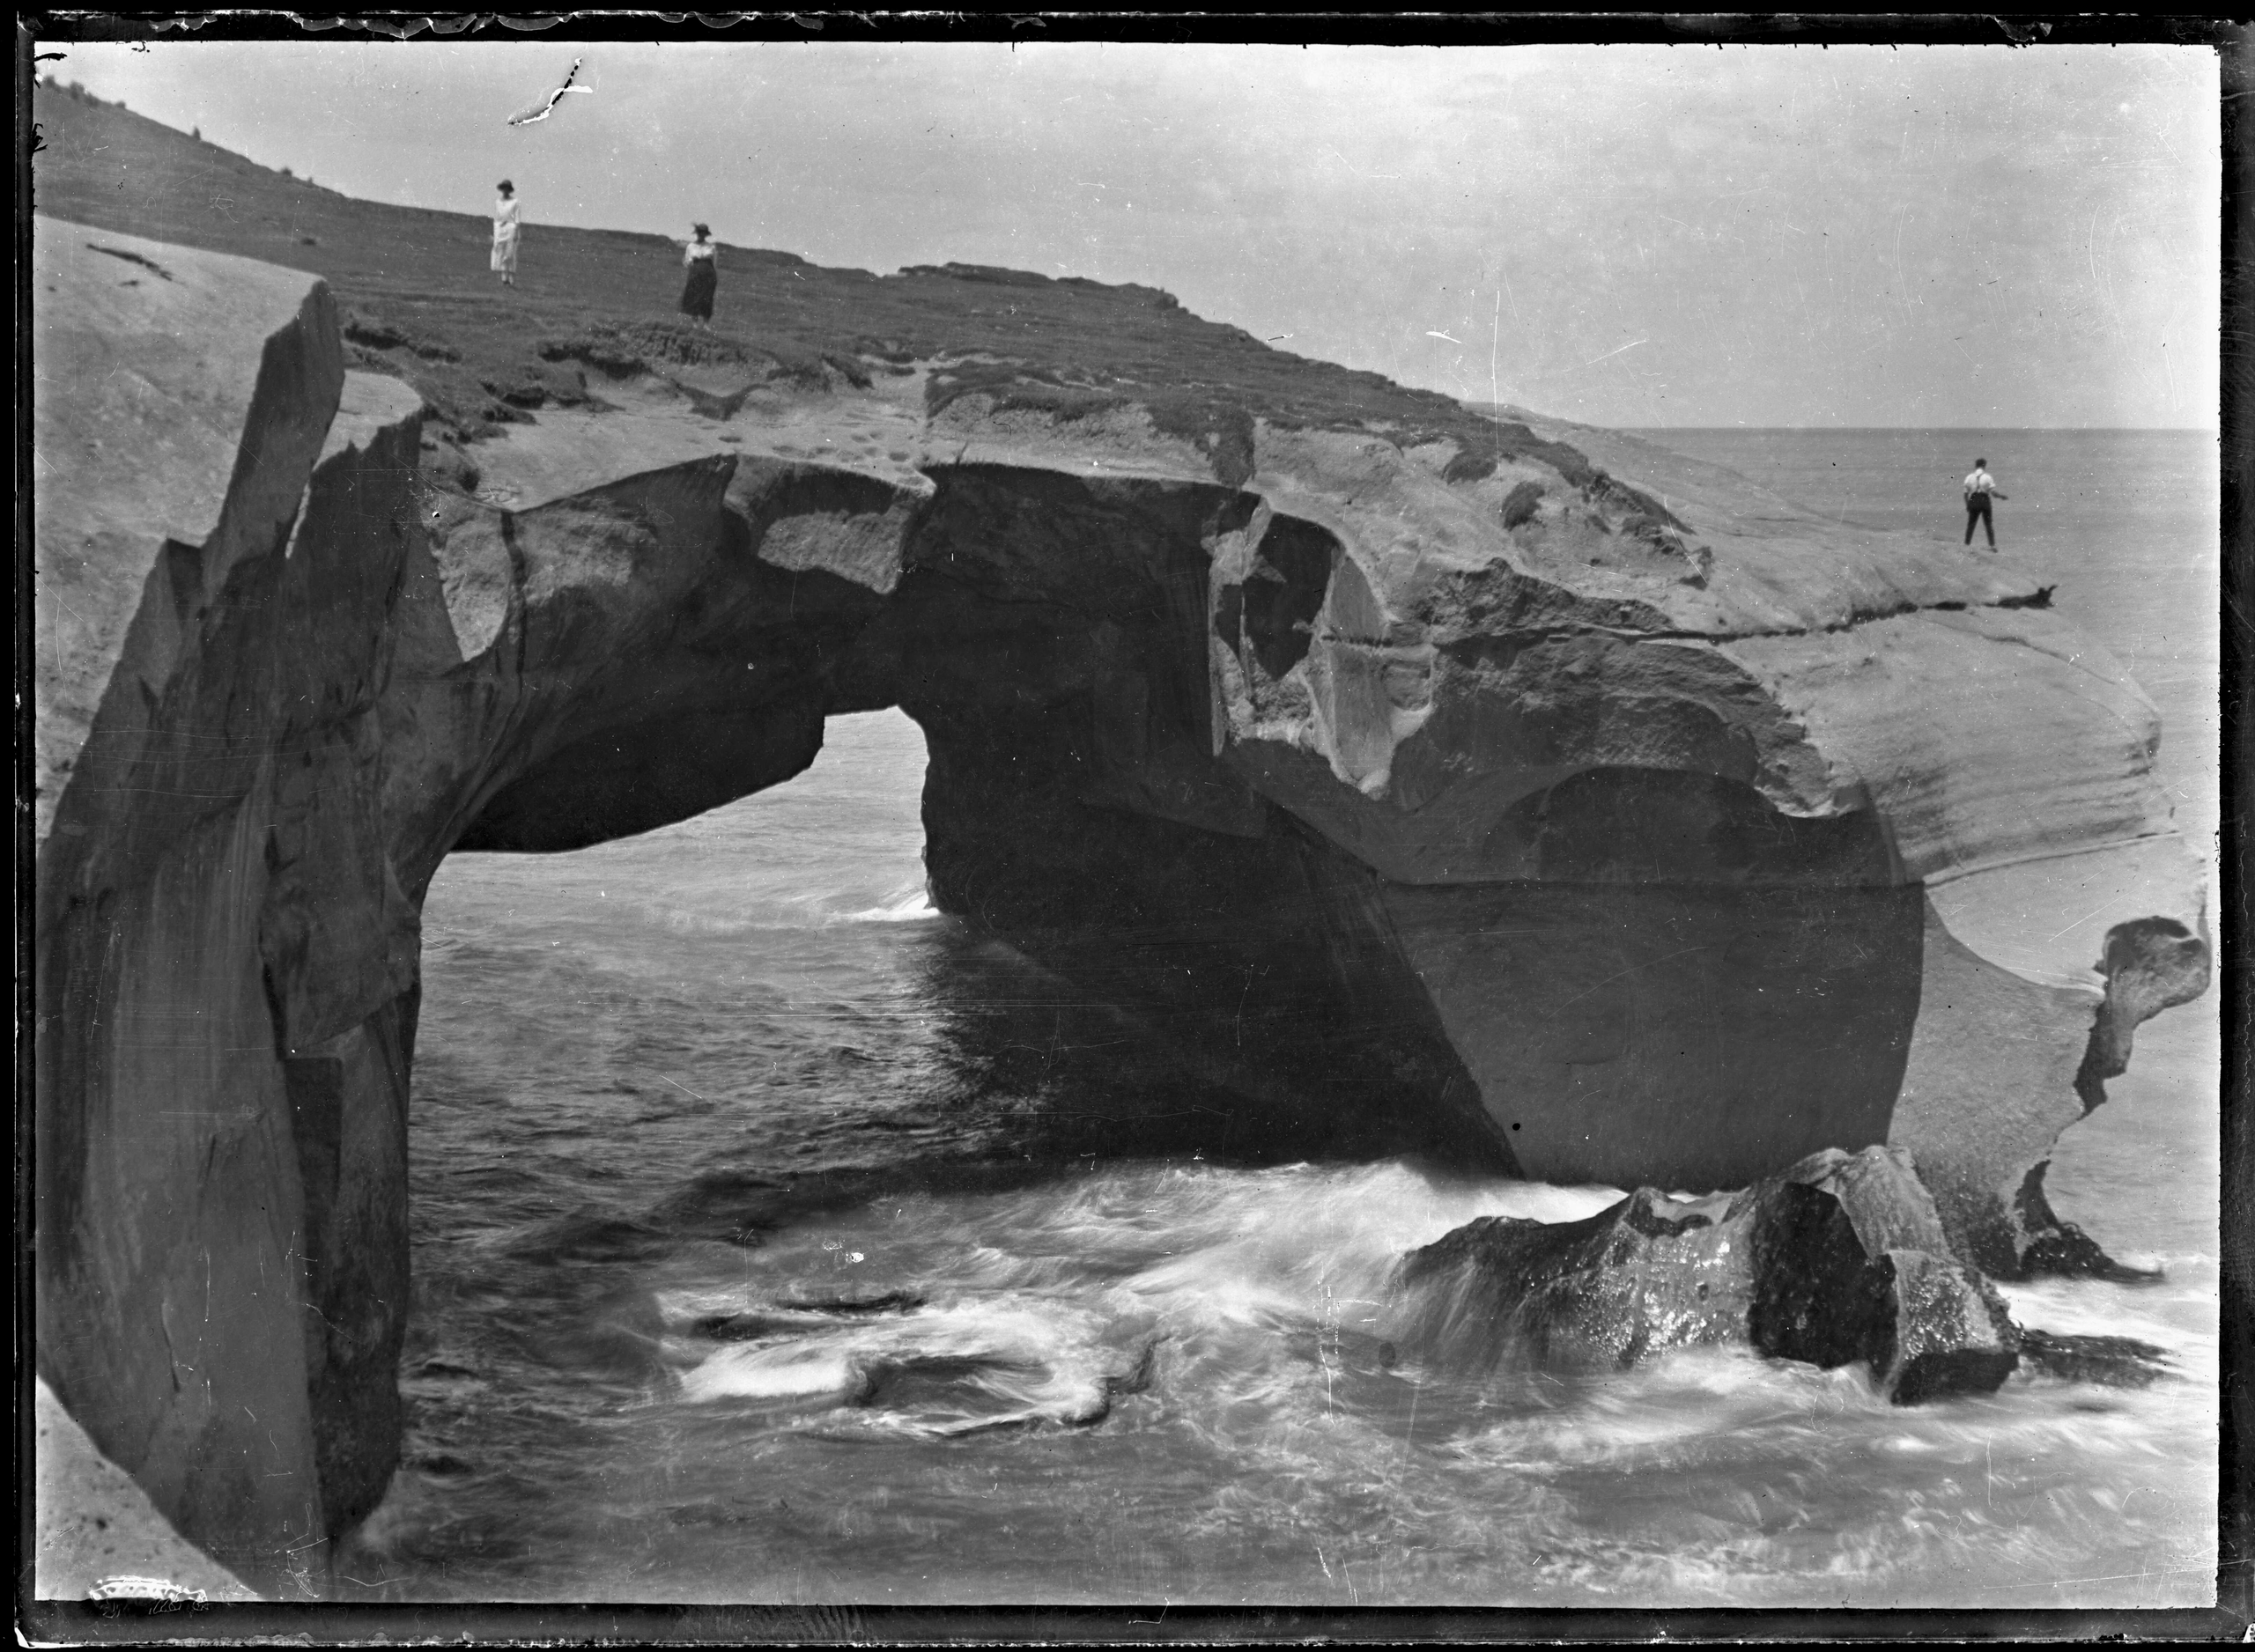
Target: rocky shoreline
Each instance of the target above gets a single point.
(1838, 1259)
(1536, 798)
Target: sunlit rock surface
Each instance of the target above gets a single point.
(96, 1534)
(1501, 790)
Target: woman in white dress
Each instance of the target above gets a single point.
(507, 211)
(698, 258)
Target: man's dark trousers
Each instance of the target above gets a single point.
(1977, 510)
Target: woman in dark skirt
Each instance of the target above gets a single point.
(704, 277)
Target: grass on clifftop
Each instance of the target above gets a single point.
(420, 304)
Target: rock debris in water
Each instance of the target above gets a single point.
(1840, 1259)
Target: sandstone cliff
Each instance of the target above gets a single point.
(1486, 786)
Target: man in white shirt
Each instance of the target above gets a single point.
(1981, 487)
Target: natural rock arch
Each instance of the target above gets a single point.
(1524, 826)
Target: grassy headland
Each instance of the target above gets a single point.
(420, 304)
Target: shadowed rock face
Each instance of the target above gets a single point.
(1570, 808)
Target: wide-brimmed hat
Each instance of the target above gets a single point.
(505, 184)
(702, 229)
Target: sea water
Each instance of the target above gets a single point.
(745, 1269)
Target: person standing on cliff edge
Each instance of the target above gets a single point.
(698, 257)
(507, 219)
(1981, 487)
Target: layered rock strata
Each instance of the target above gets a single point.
(1533, 797)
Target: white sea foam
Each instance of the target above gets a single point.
(973, 1364)
(906, 907)
(786, 1372)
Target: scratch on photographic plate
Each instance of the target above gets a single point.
(1610, 354)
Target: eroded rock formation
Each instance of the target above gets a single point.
(1521, 792)
(1840, 1258)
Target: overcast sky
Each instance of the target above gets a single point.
(1628, 235)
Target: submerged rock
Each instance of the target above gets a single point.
(797, 1315)
(2110, 1362)
(1838, 1259)
(896, 1365)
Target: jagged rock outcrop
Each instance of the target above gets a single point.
(1838, 1259)
(226, 965)
(1515, 792)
